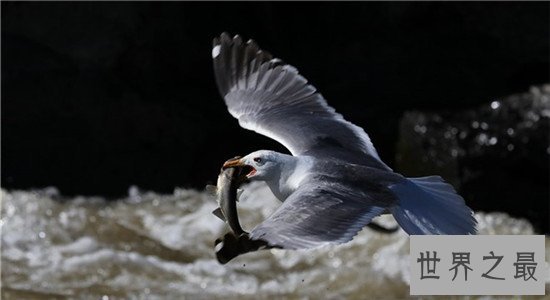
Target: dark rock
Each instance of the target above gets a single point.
(497, 155)
(99, 96)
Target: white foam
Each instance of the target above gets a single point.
(162, 246)
(82, 245)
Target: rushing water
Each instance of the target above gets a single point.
(150, 246)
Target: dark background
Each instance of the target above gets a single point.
(100, 96)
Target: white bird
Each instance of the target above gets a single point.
(334, 182)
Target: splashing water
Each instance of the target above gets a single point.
(150, 246)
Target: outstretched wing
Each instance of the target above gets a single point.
(271, 98)
(317, 214)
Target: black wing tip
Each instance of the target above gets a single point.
(237, 40)
(226, 39)
(223, 39)
(234, 59)
(235, 43)
(215, 42)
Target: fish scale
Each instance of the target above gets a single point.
(227, 185)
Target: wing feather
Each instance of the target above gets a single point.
(317, 215)
(272, 98)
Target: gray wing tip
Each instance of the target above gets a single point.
(237, 40)
(234, 60)
(225, 37)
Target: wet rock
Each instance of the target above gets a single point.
(496, 155)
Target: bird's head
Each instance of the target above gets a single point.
(258, 165)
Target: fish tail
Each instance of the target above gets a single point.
(429, 205)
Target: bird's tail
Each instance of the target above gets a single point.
(428, 205)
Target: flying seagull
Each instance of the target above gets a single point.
(334, 183)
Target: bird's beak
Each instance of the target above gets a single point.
(232, 163)
(237, 162)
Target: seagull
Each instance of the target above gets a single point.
(334, 183)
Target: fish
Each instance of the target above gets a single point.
(230, 246)
(227, 192)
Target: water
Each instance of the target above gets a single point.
(150, 246)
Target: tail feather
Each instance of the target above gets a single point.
(428, 205)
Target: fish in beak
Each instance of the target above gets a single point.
(237, 162)
(232, 175)
(229, 181)
(233, 163)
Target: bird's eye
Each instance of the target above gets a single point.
(258, 160)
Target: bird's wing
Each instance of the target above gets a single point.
(317, 214)
(271, 98)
